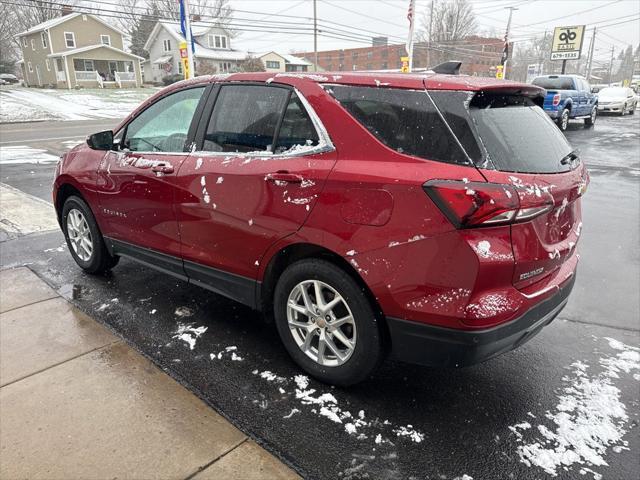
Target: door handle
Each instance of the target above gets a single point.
(162, 168)
(283, 176)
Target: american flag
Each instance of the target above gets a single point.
(412, 5)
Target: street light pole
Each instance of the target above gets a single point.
(187, 24)
(590, 58)
(506, 40)
(611, 64)
(315, 36)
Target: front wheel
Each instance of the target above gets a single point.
(326, 323)
(633, 109)
(591, 120)
(563, 121)
(83, 237)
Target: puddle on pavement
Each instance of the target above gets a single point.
(71, 291)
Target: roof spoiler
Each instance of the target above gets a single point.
(448, 68)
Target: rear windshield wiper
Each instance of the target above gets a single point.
(570, 157)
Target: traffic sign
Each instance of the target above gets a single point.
(567, 42)
(499, 72)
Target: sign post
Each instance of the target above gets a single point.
(567, 44)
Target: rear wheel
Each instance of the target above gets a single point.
(633, 109)
(83, 237)
(326, 323)
(591, 120)
(563, 120)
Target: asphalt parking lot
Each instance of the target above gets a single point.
(536, 412)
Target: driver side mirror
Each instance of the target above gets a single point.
(101, 140)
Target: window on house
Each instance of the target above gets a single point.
(59, 65)
(30, 67)
(43, 37)
(385, 53)
(163, 127)
(105, 39)
(369, 54)
(244, 118)
(70, 39)
(48, 64)
(354, 55)
(82, 65)
(24, 42)
(272, 64)
(355, 67)
(166, 45)
(33, 44)
(369, 66)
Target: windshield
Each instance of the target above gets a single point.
(554, 83)
(613, 92)
(514, 133)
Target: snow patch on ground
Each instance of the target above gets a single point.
(588, 419)
(24, 154)
(189, 334)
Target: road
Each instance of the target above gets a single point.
(556, 392)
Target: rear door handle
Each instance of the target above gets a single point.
(162, 168)
(284, 177)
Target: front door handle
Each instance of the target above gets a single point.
(283, 176)
(162, 168)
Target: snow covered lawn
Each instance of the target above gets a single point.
(29, 104)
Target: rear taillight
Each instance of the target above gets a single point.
(475, 204)
(556, 100)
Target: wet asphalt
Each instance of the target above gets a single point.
(464, 415)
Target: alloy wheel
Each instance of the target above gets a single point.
(565, 120)
(321, 323)
(79, 234)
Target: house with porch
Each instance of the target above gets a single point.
(77, 50)
(213, 52)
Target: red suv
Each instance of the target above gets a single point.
(432, 217)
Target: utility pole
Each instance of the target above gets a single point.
(506, 40)
(315, 36)
(541, 58)
(429, 37)
(590, 58)
(611, 64)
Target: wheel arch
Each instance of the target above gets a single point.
(291, 253)
(65, 191)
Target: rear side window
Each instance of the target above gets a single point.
(515, 135)
(404, 120)
(297, 128)
(245, 118)
(554, 83)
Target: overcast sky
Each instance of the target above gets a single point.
(388, 17)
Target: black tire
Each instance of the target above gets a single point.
(561, 122)
(591, 120)
(100, 260)
(633, 109)
(368, 350)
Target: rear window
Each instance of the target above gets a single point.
(554, 83)
(404, 120)
(511, 131)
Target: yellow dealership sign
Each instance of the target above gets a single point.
(499, 72)
(567, 42)
(405, 64)
(184, 58)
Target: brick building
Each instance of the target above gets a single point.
(479, 56)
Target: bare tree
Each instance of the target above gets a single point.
(444, 23)
(252, 64)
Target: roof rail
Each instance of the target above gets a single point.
(448, 68)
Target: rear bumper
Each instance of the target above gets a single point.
(552, 112)
(430, 345)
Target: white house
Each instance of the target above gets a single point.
(282, 62)
(213, 52)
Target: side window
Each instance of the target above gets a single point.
(297, 128)
(404, 120)
(245, 118)
(163, 126)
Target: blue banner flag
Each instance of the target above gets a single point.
(183, 26)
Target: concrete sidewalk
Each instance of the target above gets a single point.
(78, 403)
